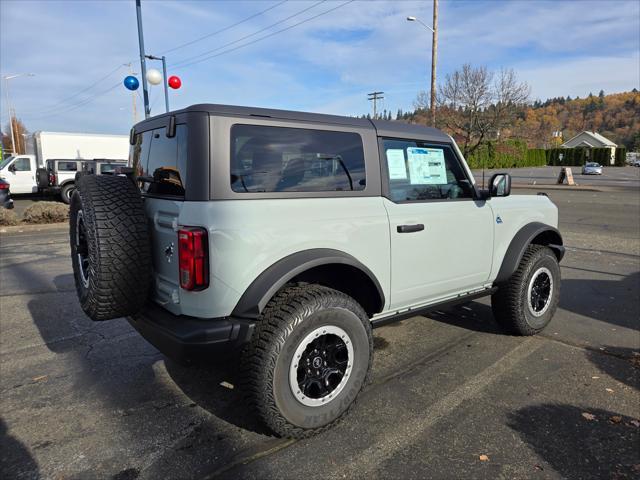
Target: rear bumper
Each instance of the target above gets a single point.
(184, 338)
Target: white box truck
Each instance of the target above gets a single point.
(20, 170)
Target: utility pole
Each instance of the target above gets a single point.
(12, 112)
(434, 58)
(133, 95)
(143, 64)
(375, 96)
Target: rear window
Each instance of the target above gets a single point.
(161, 161)
(109, 168)
(67, 166)
(281, 159)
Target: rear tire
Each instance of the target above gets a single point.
(525, 304)
(67, 192)
(309, 357)
(110, 247)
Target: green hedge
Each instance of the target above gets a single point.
(621, 156)
(576, 157)
(508, 154)
(536, 157)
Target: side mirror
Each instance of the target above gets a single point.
(500, 185)
(12, 167)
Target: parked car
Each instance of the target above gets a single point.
(59, 175)
(635, 163)
(592, 168)
(287, 236)
(5, 194)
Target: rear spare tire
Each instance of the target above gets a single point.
(42, 177)
(110, 246)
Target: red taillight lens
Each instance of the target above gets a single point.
(4, 186)
(52, 179)
(193, 250)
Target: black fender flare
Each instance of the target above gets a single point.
(265, 286)
(546, 235)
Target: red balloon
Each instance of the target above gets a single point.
(175, 82)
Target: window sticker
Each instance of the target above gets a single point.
(427, 166)
(396, 164)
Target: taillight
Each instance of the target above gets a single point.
(193, 252)
(52, 178)
(4, 186)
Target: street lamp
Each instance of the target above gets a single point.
(12, 113)
(434, 56)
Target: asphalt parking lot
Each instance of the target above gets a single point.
(451, 396)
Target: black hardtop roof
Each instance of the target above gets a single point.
(384, 128)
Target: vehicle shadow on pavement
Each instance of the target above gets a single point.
(609, 362)
(474, 316)
(213, 385)
(14, 456)
(580, 442)
(603, 299)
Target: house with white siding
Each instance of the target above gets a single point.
(588, 139)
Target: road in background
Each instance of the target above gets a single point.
(93, 400)
(611, 176)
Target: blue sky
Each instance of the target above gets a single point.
(327, 64)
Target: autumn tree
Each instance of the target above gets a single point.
(19, 133)
(475, 104)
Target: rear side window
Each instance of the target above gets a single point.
(109, 168)
(161, 161)
(420, 171)
(281, 159)
(67, 166)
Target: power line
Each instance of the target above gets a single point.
(186, 61)
(60, 103)
(77, 105)
(264, 37)
(209, 35)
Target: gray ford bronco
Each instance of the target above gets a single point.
(287, 236)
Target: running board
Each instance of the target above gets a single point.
(412, 312)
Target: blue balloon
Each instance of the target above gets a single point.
(131, 82)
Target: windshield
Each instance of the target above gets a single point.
(6, 162)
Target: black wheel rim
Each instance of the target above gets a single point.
(540, 291)
(322, 366)
(82, 249)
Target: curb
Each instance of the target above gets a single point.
(539, 186)
(34, 228)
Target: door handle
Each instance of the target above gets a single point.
(418, 227)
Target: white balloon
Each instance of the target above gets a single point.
(154, 77)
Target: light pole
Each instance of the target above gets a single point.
(9, 108)
(164, 78)
(143, 63)
(434, 56)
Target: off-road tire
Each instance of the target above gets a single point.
(510, 302)
(265, 361)
(67, 192)
(42, 177)
(116, 276)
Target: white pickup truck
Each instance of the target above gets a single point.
(20, 170)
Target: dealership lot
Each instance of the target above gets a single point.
(94, 400)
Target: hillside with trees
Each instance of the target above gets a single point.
(477, 107)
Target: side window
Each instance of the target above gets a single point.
(420, 171)
(166, 166)
(280, 159)
(22, 164)
(67, 166)
(139, 152)
(108, 168)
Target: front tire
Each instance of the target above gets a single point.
(526, 303)
(308, 359)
